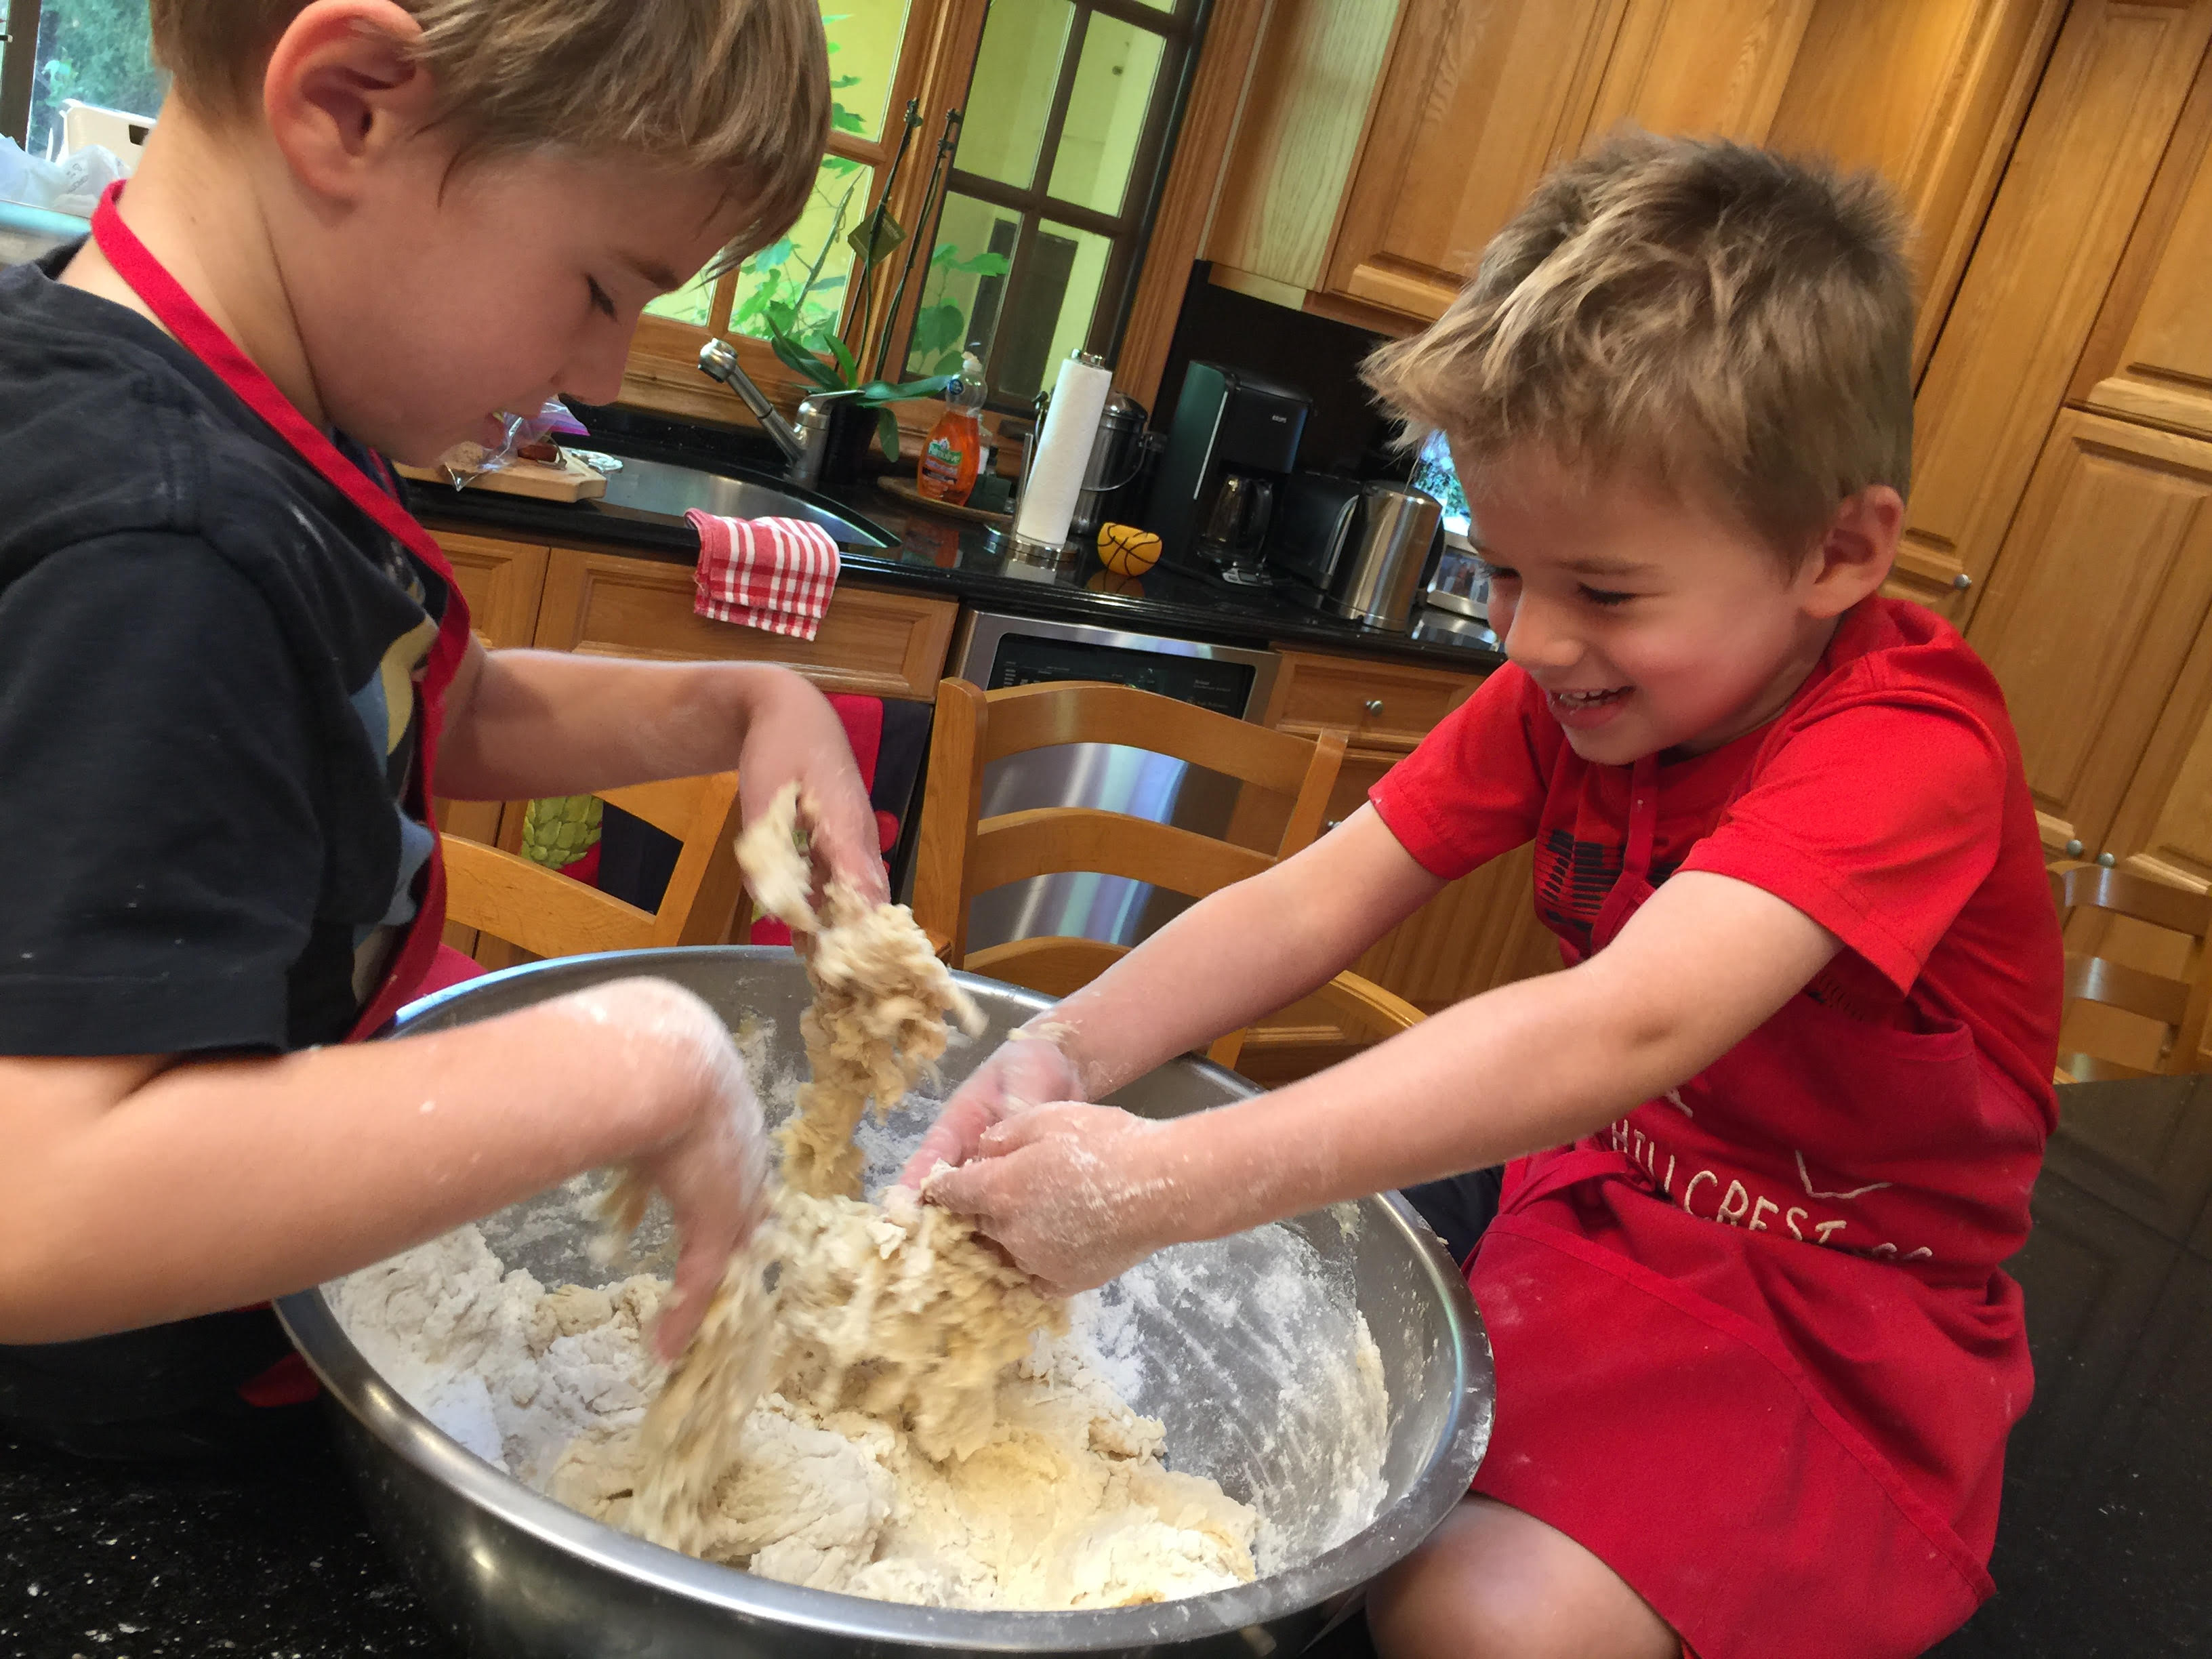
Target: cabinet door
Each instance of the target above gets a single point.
(2095, 609)
(1479, 100)
(1475, 102)
(2151, 355)
(872, 642)
(1710, 67)
(1930, 93)
(2102, 116)
(503, 582)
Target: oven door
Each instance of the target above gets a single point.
(995, 651)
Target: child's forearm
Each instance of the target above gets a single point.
(1527, 1065)
(1240, 954)
(132, 1196)
(530, 723)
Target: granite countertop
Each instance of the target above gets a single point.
(2102, 1549)
(940, 554)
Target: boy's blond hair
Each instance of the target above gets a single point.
(1736, 325)
(740, 88)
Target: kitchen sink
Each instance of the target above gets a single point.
(662, 487)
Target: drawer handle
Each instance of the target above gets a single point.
(2106, 860)
(1961, 582)
(1373, 705)
(1330, 826)
(2073, 849)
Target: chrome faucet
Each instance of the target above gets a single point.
(804, 445)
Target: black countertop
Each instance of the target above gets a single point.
(939, 554)
(2105, 1547)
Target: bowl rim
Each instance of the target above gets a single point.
(356, 1386)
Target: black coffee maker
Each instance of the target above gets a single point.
(1233, 441)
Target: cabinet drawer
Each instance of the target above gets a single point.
(1381, 704)
(872, 642)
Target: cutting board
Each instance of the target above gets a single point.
(571, 480)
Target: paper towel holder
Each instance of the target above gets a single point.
(1024, 547)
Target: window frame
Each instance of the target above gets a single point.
(1181, 30)
(936, 61)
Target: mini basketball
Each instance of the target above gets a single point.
(1126, 551)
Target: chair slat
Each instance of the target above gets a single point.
(2154, 996)
(1040, 717)
(539, 909)
(1047, 840)
(2127, 893)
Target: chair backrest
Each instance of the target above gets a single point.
(2174, 1002)
(960, 856)
(525, 904)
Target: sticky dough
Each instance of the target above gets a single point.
(877, 1402)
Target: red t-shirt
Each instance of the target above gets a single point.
(1887, 802)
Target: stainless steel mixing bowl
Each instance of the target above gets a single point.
(515, 1574)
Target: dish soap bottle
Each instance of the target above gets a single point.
(950, 459)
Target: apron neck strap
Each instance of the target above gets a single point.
(202, 335)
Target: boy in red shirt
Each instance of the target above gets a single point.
(1775, 1124)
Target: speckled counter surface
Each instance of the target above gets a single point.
(266, 1558)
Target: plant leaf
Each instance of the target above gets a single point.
(843, 353)
(986, 265)
(801, 361)
(887, 433)
(845, 120)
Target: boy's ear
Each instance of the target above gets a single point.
(342, 89)
(1856, 555)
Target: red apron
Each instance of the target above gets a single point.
(1753, 1346)
(198, 334)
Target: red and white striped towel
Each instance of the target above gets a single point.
(775, 573)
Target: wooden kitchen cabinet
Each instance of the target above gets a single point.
(2095, 619)
(2150, 357)
(503, 582)
(2102, 117)
(1475, 100)
(871, 642)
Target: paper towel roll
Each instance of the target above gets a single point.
(1070, 427)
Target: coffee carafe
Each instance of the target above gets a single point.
(1236, 527)
(1233, 441)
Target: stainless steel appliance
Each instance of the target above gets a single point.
(993, 651)
(1226, 424)
(1117, 455)
(1244, 1389)
(1315, 526)
(1376, 583)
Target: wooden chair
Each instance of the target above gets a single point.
(521, 903)
(2168, 1009)
(960, 856)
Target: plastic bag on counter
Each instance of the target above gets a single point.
(529, 438)
(28, 178)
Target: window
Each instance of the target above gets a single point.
(1061, 157)
(1038, 229)
(91, 51)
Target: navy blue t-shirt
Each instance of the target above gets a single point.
(209, 723)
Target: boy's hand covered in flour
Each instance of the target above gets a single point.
(1029, 1069)
(1074, 1194)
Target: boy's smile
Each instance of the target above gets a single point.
(1650, 621)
